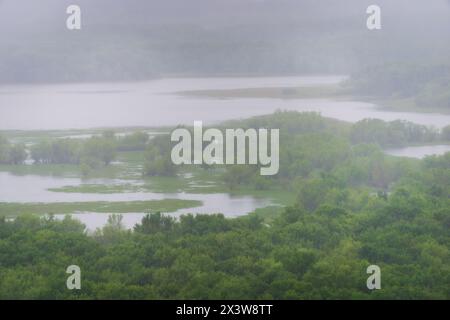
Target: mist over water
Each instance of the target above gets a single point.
(155, 103)
(121, 42)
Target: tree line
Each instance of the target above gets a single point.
(316, 249)
(354, 207)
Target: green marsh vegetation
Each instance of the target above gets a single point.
(347, 206)
(330, 91)
(407, 87)
(412, 86)
(312, 146)
(316, 249)
(166, 205)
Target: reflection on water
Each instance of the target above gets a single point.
(419, 152)
(230, 206)
(33, 189)
(153, 103)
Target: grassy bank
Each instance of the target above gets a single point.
(407, 105)
(334, 91)
(166, 205)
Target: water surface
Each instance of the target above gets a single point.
(34, 189)
(419, 152)
(155, 103)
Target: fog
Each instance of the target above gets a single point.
(141, 39)
(16, 14)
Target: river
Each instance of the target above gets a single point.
(34, 189)
(156, 103)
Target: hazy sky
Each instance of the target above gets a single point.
(207, 36)
(17, 14)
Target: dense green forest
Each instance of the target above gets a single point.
(355, 207)
(421, 86)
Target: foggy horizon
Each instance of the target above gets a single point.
(205, 37)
